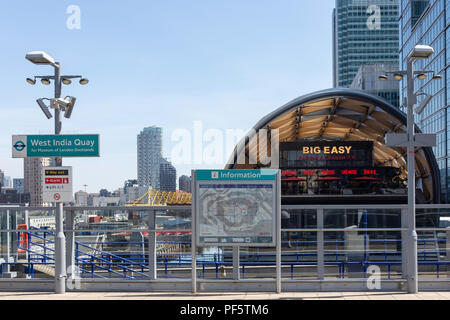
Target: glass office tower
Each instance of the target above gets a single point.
(426, 22)
(149, 155)
(364, 31)
(367, 80)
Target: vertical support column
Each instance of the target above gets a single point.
(70, 242)
(8, 243)
(27, 222)
(11, 244)
(447, 252)
(194, 231)
(278, 231)
(152, 261)
(320, 246)
(60, 252)
(404, 234)
(236, 263)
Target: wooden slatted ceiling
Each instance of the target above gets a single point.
(309, 121)
(373, 126)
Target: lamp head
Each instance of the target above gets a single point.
(421, 52)
(40, 57)
(422, 76)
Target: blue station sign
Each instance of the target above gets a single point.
(61, 145)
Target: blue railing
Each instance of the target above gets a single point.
(132, 265)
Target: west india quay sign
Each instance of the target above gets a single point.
(64, 145)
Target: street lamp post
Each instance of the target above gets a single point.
(419, 52)
(411, 242)
(41, 58)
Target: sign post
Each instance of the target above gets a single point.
(411, 141)
(401, 140)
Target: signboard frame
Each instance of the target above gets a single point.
(267, 177)
(20, 146)
(66, 194)
(325, 154)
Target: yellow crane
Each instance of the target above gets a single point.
(159, 198)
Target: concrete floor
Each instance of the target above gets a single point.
(225, 296)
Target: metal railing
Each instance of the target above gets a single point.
(316, 245)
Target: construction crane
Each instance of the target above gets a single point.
(158, 198)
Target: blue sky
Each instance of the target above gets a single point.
(165, 63)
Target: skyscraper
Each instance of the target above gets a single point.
(427, 22)
(32, 173)
(168, 176)
(364, 31)
(367, 80)
(149, 155)
(184, 183)
(18, 185)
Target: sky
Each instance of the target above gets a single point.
(172, 64)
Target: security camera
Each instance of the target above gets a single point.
(58, 102)
(69, 106)
(44, 108)
(425, 102)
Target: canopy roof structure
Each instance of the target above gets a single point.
(339, 115)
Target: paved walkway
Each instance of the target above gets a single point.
(225, 296)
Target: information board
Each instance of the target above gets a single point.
(236, 207)
(57, 184)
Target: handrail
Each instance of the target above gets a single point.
(188, 207)
(108, 262)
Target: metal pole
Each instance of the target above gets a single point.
(58, 123)
(152, 246)
(236, 263)
(278, 233)
(60, 241)
(193, 233)
(60, 250)
(403, 237)
(70, 243)
(320, 246)
(27, 249)
(412, 234)
(8, 241)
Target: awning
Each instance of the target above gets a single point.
(293, 179)
(367, 178)
(328, 179)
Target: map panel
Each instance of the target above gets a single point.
(236, 213)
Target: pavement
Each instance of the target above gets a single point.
(95, 296)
